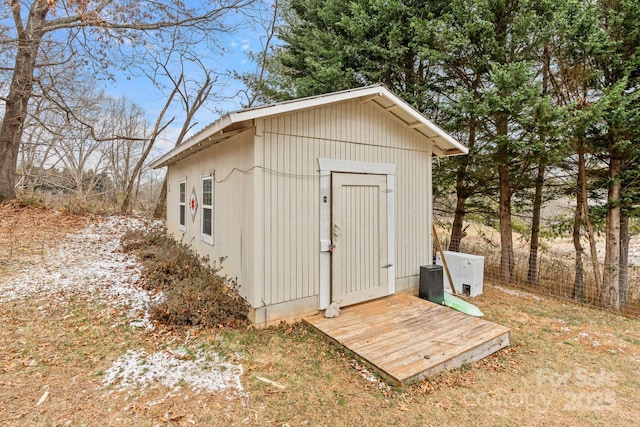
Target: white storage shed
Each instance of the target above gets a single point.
(312, 201)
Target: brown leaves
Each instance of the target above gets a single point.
(195, 294)
(28, 231)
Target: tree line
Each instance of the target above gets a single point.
(57, 125)
(543, 93)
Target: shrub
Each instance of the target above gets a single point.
(31, 200)
(195, 293)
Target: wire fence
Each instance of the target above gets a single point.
(553, 273)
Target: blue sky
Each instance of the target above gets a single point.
(142, 91)
(222, 52)
(236, 46)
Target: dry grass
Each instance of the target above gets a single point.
(556, 267)
(568, 365)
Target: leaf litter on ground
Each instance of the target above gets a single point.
(91, 264)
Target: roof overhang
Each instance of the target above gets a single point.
(379, 96)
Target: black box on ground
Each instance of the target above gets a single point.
(431, 283)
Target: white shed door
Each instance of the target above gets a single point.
(359, 236)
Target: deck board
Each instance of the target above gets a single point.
(394, 334)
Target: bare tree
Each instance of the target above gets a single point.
(35, 150)
(90, 28)
(127, 120)
(158, 128)
(80, 148)
(193, 94)
(267, 25)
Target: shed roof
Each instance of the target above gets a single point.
(382, 98)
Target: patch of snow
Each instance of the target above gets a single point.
(89, 262)
(594, 342)
(207, 372)
(364, 373)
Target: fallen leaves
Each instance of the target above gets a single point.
(54, 358)
(22, 229)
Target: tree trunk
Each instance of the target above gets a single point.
(157, 130)
(610, 296)
(125, 207)
(161, 206)
(462, 192)
(582, 172)
(625, 237)
(578, 282)
(504, 176)
(458, 221)
(17, 100)
(532, 272)
(506, 235)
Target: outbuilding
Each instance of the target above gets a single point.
(312, 201)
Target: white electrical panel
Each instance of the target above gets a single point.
(466, 271)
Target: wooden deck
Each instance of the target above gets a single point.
(407, 338)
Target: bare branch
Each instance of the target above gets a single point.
(59, 101)
(17, 19)
(158, 128)
(264, 56)
(93, 19)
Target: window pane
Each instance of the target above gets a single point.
(182, 214)
(206, 192)
(206, 221)
(183, 192)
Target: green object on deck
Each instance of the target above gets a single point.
(462, 306)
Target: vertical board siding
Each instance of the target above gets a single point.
(289, 193)
(233, 206)
(361, 230)
(349, 131)
(359, 209)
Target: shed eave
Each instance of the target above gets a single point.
(413, 119)
(379, 95)
(218, 131)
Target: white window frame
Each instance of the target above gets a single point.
(182, 204)
(203, 210)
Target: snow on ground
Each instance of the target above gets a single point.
(89, 262)
(207, 372)
(364, 373)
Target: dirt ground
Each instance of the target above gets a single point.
(69, 355)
